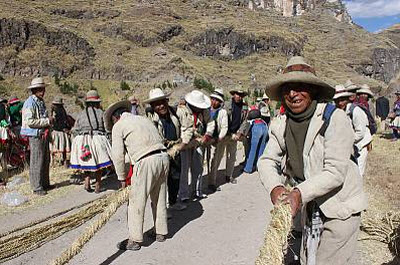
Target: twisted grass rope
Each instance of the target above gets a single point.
(276, 237)
(116, 200)
(385, 229)
(45, 219)
(16, 245)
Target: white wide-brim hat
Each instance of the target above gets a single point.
(92, 96)
(265, 96)
(37, 82)
(197, 99)
(156, 94)
(341, 91)
(238, 90)
(298, 71)
(365, 90)
(217, 96)
(258, 98)
(350, 86)
(58, 101)
(108, 124)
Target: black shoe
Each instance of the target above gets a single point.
(128, 244)
(50, 187)
(212, 188)
(40, 192)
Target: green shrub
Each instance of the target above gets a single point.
(201, 83)
(67, 88)
(124, 85)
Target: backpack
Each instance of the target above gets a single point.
(328, 111)
(371, 121)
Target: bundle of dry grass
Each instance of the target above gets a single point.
(276, 237)
(385, 229)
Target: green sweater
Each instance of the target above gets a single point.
(15, 113)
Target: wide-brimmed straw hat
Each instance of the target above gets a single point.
(238, 90)
(265, 96)
(14, 100)
(364, 89)
(350, 86)
(157, 94)
(218, 94)
(298, 71)
(397, 92)
(258, 99)
(57, 101)
(197, 99)
(92, 96)
(37, 82)
(125, 104)
(341, 91)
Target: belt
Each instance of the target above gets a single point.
(155, 152)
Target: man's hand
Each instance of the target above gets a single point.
(277, 193)
(123, 184)
(236, 137)
(294, 199)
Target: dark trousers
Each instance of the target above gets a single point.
(173, 180)
(39, 163)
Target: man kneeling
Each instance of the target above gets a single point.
(136, 136)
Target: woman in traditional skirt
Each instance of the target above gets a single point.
(395, 117)
(91, 150)
(61, 143)
(4, 139)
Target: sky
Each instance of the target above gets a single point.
(374, 15)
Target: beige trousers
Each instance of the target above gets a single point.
(149, 178)
(338, 243)
(362, 160)
(217, 153)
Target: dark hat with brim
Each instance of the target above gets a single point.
(297, 71)
(125, 104)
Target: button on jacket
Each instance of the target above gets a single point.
(331, 178)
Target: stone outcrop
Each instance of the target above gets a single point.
(85, 14)
(228, 44)
(20, 36)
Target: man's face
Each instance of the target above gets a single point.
(352, 98)
(297, 97)
(364, 96)
(39, 92)
(160, 107)
(134, 101)
(266, 101)
(237, 97)
(342, 102)
(215, 103)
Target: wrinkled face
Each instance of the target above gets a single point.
(160, 107)
(39, 92)
(215, 103)
(342, 102)
(237, 97)
(297, 97)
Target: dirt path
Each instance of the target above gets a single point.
(225, 228)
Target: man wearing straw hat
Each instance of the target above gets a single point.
(135, 107)
(310, 147)
(167, 123)
(265, 109)
(237, 115)
(137, 137)
(35, 125)
(196, 124)
(216, 151)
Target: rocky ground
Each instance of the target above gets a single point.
(225, 228)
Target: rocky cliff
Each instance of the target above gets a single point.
(148, 42)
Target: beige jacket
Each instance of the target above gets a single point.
(135, 135)
(188, 129)
(360, 122)
(332, 179)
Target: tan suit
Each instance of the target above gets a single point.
(332, 180)
(137, 136)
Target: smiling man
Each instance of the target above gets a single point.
(312, 151)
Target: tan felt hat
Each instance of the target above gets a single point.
(108, 124)
(365, 90)
(37, 82)
(92, 96)
(341, 91)
(298, 71)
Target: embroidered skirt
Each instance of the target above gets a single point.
(61, 142)
(90, 153)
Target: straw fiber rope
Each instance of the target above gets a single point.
(385, 229)
(276, 237)
(117, 200)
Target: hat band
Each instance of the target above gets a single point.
(299, 68)
(92, 98)
(13, 100)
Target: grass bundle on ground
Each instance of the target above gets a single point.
(385, 229)
(276, 237)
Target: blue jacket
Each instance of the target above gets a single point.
(34, 117)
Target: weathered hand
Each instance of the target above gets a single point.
(294, 199)
(277, 193)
